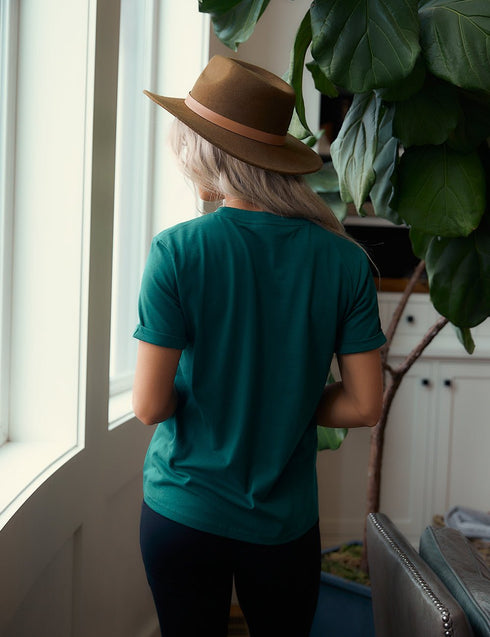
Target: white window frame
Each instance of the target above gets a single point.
(8, 75)
(132, 192)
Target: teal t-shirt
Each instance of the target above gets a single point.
(258, 303)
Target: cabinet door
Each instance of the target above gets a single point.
(405, 477)
(462, 458)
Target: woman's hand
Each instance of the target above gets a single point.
(154, 395)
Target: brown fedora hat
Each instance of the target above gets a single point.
(244, 110)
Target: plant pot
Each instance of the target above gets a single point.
(344, 608)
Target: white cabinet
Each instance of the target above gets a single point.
(461, 470)
(437, 445)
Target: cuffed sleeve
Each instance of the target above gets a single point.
(161, 320)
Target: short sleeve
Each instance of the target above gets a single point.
(161, 321)
(360, 330)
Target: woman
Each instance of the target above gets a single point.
(241, 311)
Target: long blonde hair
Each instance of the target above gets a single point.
(218, 172)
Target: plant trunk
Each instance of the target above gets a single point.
(377, 447)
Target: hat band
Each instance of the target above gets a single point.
(231, 125)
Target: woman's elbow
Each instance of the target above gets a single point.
(371, 414)
(143, 414)
(150, 414)
(146, 419)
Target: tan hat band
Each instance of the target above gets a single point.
(231, 125)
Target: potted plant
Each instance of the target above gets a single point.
(415, 142)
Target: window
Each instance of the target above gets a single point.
(57, 148)
(150, 57)
(46, 102)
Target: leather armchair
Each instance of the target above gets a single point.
(409, 599)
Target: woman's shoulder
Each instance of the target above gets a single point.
(185, 229)
(342, 244)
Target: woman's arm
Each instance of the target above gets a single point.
(154, 395)
(357, 399)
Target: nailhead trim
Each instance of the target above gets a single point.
(446, 620)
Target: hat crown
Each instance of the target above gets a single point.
(246, 94)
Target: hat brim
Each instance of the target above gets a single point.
(292, 158)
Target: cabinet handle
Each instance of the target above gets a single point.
(448, 382)
(425, 382)
(410, 318)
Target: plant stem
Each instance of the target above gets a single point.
(397, 314)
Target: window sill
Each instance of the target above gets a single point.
(120, 409)
(25, 466)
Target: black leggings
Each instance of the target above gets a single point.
(191, 575)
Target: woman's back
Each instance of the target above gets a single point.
(260, 304)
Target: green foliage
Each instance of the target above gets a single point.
(441, 191)
(383, 166)
(455, 39)
(428, 116)
(365, 44)
(354, 150)
(465, 338)
(329, 438)
(295, 74)
(325, 183)
(416, 139)
(459, 274)
(234, 20)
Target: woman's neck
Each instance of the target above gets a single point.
(236, 202)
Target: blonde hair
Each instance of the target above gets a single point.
(218, 172)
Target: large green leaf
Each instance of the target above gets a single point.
(237, 24)
(465, 338)
(296, 129)
(429, 116)
(384, 164)
(322, 83)
(217, 7)
(440, 191)
(329, 438)
(365, 44)
(354, 149)
(455, 37)
(335, 203)
(325, 182)
(459, 276)
(408, 86)
(420, 242)
(294, 76)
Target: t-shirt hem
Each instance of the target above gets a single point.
(225, 531)
(159, 338)
(364, 346)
